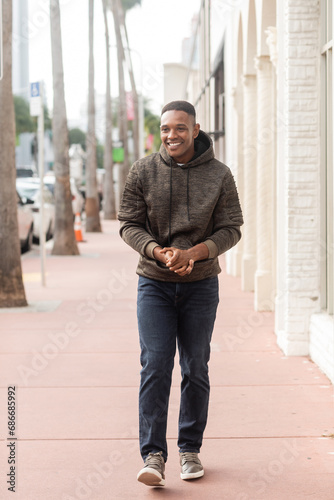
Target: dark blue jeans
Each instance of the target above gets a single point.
(170, 313)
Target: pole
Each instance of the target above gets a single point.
(41, 178)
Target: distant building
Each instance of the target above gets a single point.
(20, 74)
(177, 74)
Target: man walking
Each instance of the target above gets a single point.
(179, 211)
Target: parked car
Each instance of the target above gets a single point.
(26, 171)
(26, 224)
(29, 190)
(78, 201)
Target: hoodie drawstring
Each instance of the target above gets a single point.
(188, 202)
(170, 203)
(171, 200)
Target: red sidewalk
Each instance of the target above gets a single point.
(73, 356)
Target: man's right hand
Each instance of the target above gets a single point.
(161, 255)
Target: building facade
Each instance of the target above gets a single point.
(264, 91)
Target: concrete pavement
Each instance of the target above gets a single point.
(73, 357)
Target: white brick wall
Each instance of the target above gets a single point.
(298, 212)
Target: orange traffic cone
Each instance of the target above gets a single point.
(77, 227)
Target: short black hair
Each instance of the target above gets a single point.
(180, 106)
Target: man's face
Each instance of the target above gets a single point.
(178, 131)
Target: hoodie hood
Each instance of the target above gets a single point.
(203, 151)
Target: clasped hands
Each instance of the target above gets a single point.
(178, 261)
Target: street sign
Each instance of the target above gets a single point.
(35, 99)
(1, 47)
(118, 155)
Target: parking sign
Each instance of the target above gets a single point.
(35, 99)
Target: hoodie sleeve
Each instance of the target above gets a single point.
(132, 215)
(227, 217)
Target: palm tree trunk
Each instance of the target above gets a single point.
(109, 205)
(12, 292)
(123, 123)
(135, 124)
(64, 237)
(93, 224)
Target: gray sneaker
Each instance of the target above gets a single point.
(153, 472)
(191, 466)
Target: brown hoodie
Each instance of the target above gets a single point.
(175, 205)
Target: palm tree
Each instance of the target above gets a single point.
(92, 202)
(109, 205)
(12, 292)
(122, 115)
(64, 237)
(126, 4)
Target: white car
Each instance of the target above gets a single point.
(26, 224)
(29, 191)
(78, 200)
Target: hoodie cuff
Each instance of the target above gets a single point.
(149, 249)
(213, 249)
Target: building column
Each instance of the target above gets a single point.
(264, 299)
(249, 207)
(234, 140)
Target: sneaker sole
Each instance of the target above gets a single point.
(192, 475)
(150, 477)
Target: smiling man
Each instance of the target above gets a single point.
(180, 210)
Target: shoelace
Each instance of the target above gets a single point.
(188, 456)
(154, 459)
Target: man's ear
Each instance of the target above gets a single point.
(196, 130)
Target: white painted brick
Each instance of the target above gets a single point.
(302, 104)
(306, 61)
(301, 73)
(301, 25)
(302, 118)
(306, 240)
(302, 51)
(300, 221)
(301, 201)
(300, 267)
(302, 234)
(302, 4)
(302, 89)
(301, 189)
(306, 152)
(306, 131)
(300, 303)
(302, 141)
(301, 211)
(301, 248)
(300, 264)
(304, 38)
(305, 284)
(302, 164)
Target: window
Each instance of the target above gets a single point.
(327, 245)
